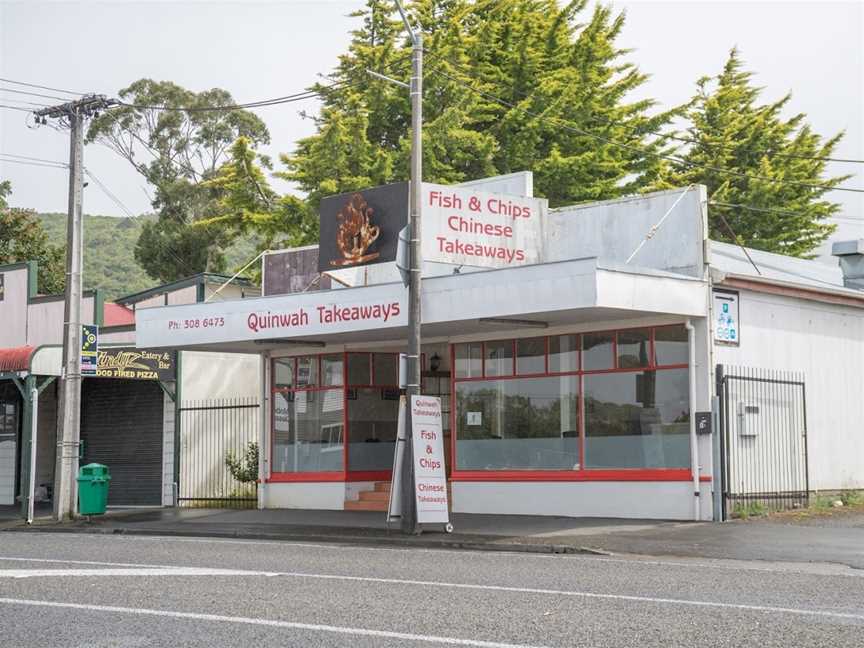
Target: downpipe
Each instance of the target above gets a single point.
(694, 447)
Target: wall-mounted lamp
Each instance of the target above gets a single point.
(435, 361)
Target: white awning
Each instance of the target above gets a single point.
(567, 292)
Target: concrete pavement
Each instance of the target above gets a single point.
(832, 540)
(98, 590)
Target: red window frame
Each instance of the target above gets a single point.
(344, 475)
(583, 473)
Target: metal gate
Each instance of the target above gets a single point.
(763, 440)
(214, 434)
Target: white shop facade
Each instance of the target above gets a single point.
(567, 378)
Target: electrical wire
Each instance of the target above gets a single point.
(34, 159)
(8, 107)
(36, 164)
(568, 126)
(34, 94)
(41, 87)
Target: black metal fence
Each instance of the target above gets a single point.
(763, 442)
(216, 436)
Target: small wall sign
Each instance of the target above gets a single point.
(727, 323)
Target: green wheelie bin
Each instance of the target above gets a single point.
(93, 480)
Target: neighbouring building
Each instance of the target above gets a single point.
(132, 415)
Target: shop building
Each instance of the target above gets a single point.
(579, 380)
(131, 414)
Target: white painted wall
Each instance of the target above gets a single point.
(45, 320)
(646, 500)
(13, 321)
(314, 496)
(826, 343)
(167, 450)
(220, 375)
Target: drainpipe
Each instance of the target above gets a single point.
(694, 447)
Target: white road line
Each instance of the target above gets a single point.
(725, 564)
(314, 627)
(154, 570)
(162, 571)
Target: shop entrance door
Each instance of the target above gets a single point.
(8, 451)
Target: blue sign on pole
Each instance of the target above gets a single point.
(89, 349)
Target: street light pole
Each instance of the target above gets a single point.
(409, 522)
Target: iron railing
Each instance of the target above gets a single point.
(763, 440)
(211, 431)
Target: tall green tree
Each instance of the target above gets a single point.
(177, 152)
(509, 85)
(732, 131)
(22, 238)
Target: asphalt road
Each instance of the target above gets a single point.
(100, 591)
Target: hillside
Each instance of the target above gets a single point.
(109, 259)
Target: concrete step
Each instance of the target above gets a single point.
(374, 496)
(366, 505)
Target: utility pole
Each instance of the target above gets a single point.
(409, 502)
(69, 418)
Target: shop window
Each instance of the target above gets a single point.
(307, 371)
(518, 424)
(308, 431)
(331, 370)
(531, 356)
(670, 345)
(637, 419)
(499, 358)
(385, 369)
(469, 360)
(372, 419)
(359, 369)
(633, 348)
(563, 353)
(597, 351)
(283, 373)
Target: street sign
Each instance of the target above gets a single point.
(727, 323)
(89, 349)
(430, 478)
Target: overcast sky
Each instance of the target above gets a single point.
(259, 50)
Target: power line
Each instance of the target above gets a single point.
(36, 164)
(109, 193)
(41, 87)
(568, 126)
(35, 159)
(34, 94)
(781, 211)
(8, 107)
(21, 101)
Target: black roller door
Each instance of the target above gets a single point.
(121, 426)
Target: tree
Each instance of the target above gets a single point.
(509, 85)
(177, 152)
(731, 131)
(22, 238)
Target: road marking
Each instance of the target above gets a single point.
(161, 571)
(156, 570)
(314, 627)
(726, 564)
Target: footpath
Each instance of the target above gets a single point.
(835, 539)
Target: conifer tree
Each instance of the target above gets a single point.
(509, 85)
(731, 131)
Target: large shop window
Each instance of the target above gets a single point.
(315, 410)
(518, 424)
(637, 420)
(537, 404)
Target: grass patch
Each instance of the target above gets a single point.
(852, 498)
(748, 510)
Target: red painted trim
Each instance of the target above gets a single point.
(635, 474)
(345, 431)
(368, 475)
(307, 477)
(705, 478)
